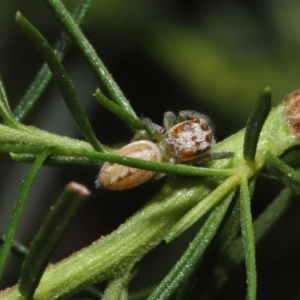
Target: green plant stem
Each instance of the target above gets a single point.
(272, 130)
(130, 242)
(21, 251)
(49, 235)
(226, 235)
(248, 240)
(112, 254)
(58, 160)
(285, 173)
(102, 74)
(18, 209)
(44, 75)
(203, 206)
(5, 111)
(255, 123)
(67, 149)
(261, 226)
(117, 288)
(63, 81)
(33, 140)
(183, 268)
(16, 248)
(133, 122)
(96, 158)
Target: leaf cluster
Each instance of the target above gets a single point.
(220, 194)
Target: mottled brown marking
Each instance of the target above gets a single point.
(178, 130)
(295, 125)
(187, 153)
(293, 108)
(186, 126)
(120, 178)
(293, 111)
(295, 95)
(204, 126)
(208, 138)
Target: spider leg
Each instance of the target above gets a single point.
(212, 156)
(184, 115)
(169, 120)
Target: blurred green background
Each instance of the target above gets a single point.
(209, 56)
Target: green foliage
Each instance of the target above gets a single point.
(218, 194)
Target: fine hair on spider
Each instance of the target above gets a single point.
(184, 139)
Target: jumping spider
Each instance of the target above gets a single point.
(184, 139)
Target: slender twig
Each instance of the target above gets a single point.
(49, 235)
(18, 209)
(131, 120)
(5, 111)
(44, 75)
(248, 240)
(63, 81)
(255, 123)
(104, 77)
(183, 268)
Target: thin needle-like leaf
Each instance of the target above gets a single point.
(18, 209)
(255, 124)
(248, 239)
(95, 158)
(57, 160)
(16, 248)
(44, 75)
(131, 120)
(5, 111)
(283, 172)
(262, 226)
(21, 251)
(52, 230)
(184, 266)
(111, 88)
(232, 226)
(203, 207)
(227, 234)
(63, 81)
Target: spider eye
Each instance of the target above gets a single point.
(187, 140)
